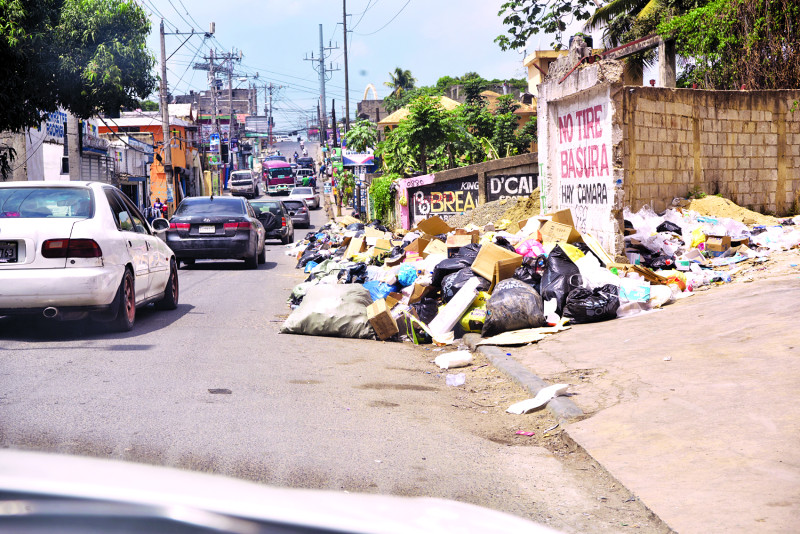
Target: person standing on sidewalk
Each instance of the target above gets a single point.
(158, 206)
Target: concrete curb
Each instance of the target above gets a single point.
(562, 407)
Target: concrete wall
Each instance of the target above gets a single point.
(604, 145)
(744, 145)
(580, 147)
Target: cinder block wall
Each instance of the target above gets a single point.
(744, 145)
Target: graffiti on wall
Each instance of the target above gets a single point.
(583, 161)
(510, 185)
(444, 199)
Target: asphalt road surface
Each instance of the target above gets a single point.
(214, 387)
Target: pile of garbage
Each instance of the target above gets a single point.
(514, 282)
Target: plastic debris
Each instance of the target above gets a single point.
(541, 399)
(456, 380)
(450, 360)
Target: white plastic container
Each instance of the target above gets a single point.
(444, 322)
(450, 360)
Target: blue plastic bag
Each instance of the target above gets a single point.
(379, 290)
(406, 275)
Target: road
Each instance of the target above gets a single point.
(214, 387)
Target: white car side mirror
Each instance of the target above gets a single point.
(160, 225)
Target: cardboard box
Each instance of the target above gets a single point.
(357, 245)
(418, 245)
(496, 263)
(372, 232)
(347, 220)
(555, 231)
(644, 272)
(717, 245)
(381, 246)
(418, 293)
(458, 240)
(434, 226)
(562, 217)
(380, 317)
(435, 247)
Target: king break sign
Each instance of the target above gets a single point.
(583, 161)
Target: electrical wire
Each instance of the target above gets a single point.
(390, 21)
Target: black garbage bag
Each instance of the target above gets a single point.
(311, 253)
(531, 271)
(453, 282)
(592, 305)
(448, 266)
(560, 277)
(376, 224)
(512, 306)
(355, 226)
(469, 252)
(501, 241)
(661, 261)
(311, 236)
(395, 255)
(357, 274)
(667, 226)
(426, 309)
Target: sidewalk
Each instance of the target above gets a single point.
(693, 408)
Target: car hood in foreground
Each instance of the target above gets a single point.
(211, 501)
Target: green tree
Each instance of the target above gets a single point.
(400, 81)
(525, 18)
(417, 137)
(392, 103)
(88, 56)
(362, 135)
(728, 44)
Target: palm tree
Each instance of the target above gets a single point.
(401, 80)
(626, 13)
(622, 19)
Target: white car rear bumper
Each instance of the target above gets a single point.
(68, 287)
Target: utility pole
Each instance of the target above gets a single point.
(346, 80)
(230, 114)
(212, 87)
(323, 77)
(269, 117)
(333, 118)
(319, 123)
(165, 111)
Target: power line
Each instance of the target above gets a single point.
(390, 21)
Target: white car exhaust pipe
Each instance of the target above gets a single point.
(50, 312)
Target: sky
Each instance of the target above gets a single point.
(431, 38)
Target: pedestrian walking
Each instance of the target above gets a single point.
(158, 208)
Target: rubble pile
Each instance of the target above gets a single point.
(517, 281)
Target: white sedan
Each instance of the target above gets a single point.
(305, 193)
(72, 249)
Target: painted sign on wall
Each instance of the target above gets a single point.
(583, 161)
(444, 199)
(510, 185)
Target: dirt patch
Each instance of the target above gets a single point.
(524, 208)
(482, 401)
(714, 206)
